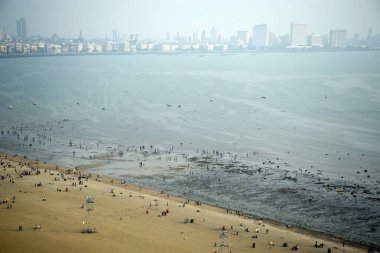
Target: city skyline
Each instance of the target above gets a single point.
(153, 20)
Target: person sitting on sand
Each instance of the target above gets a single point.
(318, 245)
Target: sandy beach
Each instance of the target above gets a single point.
(43, 209)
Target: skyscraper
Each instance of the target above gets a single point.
(243, 36)
(213, 35)
(260, 36)
(195, 37)
(115, 36)
(22, 29)
(203, 37)
(338, 38)
(2, 34)
(80, 38)
(298, 35)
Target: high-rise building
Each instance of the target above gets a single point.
(369, 35)
(260, 36)
(80, 38)
(325, 40)
(2, 34)
(203, 37)
(315, 40)
(355, 40)
(298, 35)
(213, 35)
(168, 36)
(284, 40)
(338, 38)
(273, 41)
(22, 31)
(243, 36)
(195, 37)
(115, 36)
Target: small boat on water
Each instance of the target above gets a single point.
(10, 107)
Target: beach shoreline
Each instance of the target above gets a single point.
(110, 182)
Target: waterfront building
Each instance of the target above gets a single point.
(243, 37)
(165, 47)
(195, 37)
(33, 48)
(184, 47)
(338, 38)
(3, 49)
(19, 47)
(355, 41)
(98, 48)
(315, 40)
(11, 48)
(173, 47)
(79, 47)
(124, 47)
(56, 49)
(260, 36)
(273, 40)
(27, 49)
(195, 46)
(298, 35)
(89, 48)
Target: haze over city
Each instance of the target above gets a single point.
(152, 19)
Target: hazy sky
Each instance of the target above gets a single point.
(153, 18)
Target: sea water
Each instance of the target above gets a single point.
(314, 115)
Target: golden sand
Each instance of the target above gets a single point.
(126, 218)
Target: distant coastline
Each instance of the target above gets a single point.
(228, 52)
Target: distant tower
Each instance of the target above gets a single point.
(22, 29)
(203, 37)
(195, 37)
(168, 36)
(369, 37)
(115, 36)
(213, 35)
(80, 36)
(2, 34)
